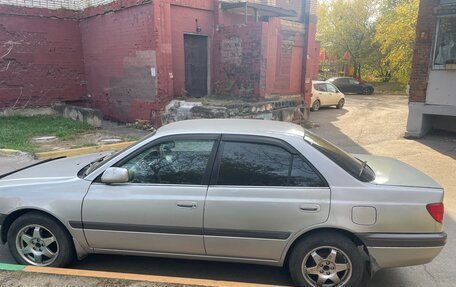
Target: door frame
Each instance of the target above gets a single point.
(209, 59)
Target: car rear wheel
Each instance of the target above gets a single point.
(341, 104)
(39, 240)
(316, 106)
(327, 260)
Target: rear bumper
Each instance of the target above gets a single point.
(396, 250)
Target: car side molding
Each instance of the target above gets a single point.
(403, 239)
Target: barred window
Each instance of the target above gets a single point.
(445, 43)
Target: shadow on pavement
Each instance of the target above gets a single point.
(247, 273)
(442, 141)
(322, 122)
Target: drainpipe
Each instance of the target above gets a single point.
(305, 19)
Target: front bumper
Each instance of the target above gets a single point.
(397, 250)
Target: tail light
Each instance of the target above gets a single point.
(436, 210)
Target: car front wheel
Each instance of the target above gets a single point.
(327, 260)
(39, 240)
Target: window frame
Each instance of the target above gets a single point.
(209, 166)
(438, 67)
(264, 140)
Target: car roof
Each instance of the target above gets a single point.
(232, 126)
(336, 78)
(319, 82)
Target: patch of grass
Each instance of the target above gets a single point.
(16, 131)
(390, 88)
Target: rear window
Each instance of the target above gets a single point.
(355, 167)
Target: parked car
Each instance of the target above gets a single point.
(231, 190)
(326, 94)
(352, 86)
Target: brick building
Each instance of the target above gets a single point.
(433, 83)
(130, 58)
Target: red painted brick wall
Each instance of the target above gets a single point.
(104, 54)
(422, 53)
(40, 58)
(239, 60)
(312, 61)
(183, 21)
(288, 70)
(119, 52)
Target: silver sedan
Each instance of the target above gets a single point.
(231, 190)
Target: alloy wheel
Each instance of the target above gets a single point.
(326, 266)
(37, 245)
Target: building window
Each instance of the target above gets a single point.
(445, 44)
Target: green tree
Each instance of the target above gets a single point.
(348, 26)
(395, 34)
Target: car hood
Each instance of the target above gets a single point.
(56, 168)
(390, 171)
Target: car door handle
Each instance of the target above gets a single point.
(310, 207)
(187, 204)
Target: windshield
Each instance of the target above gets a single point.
(355, 167)
(102, 160)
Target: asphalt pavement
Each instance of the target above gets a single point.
(367, 124)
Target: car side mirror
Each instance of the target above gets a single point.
(115, 175)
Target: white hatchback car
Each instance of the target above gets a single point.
(325, 94)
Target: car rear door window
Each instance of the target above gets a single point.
(171, 162)
(303, 175)
(320, 87)
(254, 164)
(330, 88)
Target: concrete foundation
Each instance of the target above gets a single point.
(86, 115)
(422, 118)
(290, 110)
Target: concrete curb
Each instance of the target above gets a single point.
(128, 276)
(10, 152)
(81, 151)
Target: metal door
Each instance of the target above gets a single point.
(196, 70)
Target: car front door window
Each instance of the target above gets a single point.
(171, 162)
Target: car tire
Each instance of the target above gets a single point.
(315, 254)
(316, 105)
(44, 239)
(368, 91)
(341, 104)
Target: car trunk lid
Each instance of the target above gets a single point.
(390, 171)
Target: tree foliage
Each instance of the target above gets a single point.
(347, 26)
(379, 35)
(395, 34)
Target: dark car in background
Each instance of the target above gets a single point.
(352, 86)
